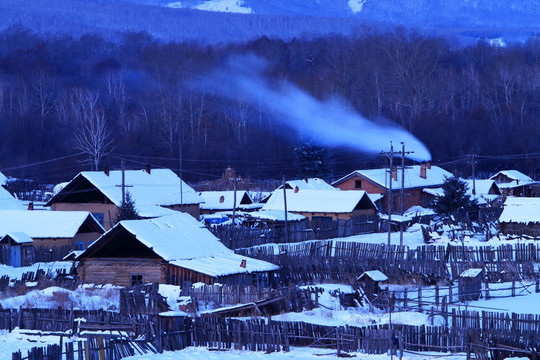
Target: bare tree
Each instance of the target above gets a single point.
(92, 136)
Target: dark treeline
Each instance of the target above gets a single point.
(63, 96)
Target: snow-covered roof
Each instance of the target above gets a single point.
(396, 218)
(175, 237)
(309, 184)
(8, 202)
(522, 210)
(514, 175)
(148, 211)
(18, 237)
(273, 215)
(375, 197)
(183, 241)
(471, 273)
(3, 179)
(44, 224)
(435, 176)
(159, 187)
(481, 186)
(225, 265)
(222, 200)
(58, 187)
(418, 211)
(374, 275)
(317, 201)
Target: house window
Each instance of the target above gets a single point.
(136, 279)
(100, 217)
(357, 184)
(79, 245)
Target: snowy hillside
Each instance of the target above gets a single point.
(239, 20)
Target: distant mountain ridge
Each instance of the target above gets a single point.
(240, 20)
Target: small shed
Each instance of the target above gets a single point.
(470, 284)
(17, 249)
(370, 282)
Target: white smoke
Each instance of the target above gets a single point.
(326, 122)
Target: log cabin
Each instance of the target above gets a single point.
(171, 249)
(156, 192)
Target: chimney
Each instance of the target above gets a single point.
(148, 168)
(30, 206)
(423, 170)
(394, 173)
(106, 170)
(296, 189)
(428, 165)
(243, 263)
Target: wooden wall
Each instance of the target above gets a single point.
(118, 271)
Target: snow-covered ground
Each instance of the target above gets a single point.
(295, 353)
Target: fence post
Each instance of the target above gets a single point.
(420, 298)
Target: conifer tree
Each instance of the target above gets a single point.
(127, 210)
(455, 197)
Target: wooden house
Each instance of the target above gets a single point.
(370, 282)
(303, 184)
(470, 284)
(322, 205)
(216, 201)
(377, 181)
(67, 230)
(515, 183)
(520, 216)
(17, 249)
(171, 249)
(155, 192)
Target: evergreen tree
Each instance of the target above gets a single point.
(313, 161)
(455, 197)
(127, 210)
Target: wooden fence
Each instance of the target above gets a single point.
(464, 329)
(344, 261)
(95, 348)
(237, 237)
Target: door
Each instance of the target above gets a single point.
(16, 255)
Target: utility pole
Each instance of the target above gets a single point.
(473, 163)
(402, 193)
(390, 199)
(123, 181)
(285, 207)
(180, 173)
(234, 203)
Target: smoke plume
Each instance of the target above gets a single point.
(327, 122)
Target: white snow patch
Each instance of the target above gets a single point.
(233, 6)
(356, 5)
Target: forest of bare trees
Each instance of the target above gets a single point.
(62, 96)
